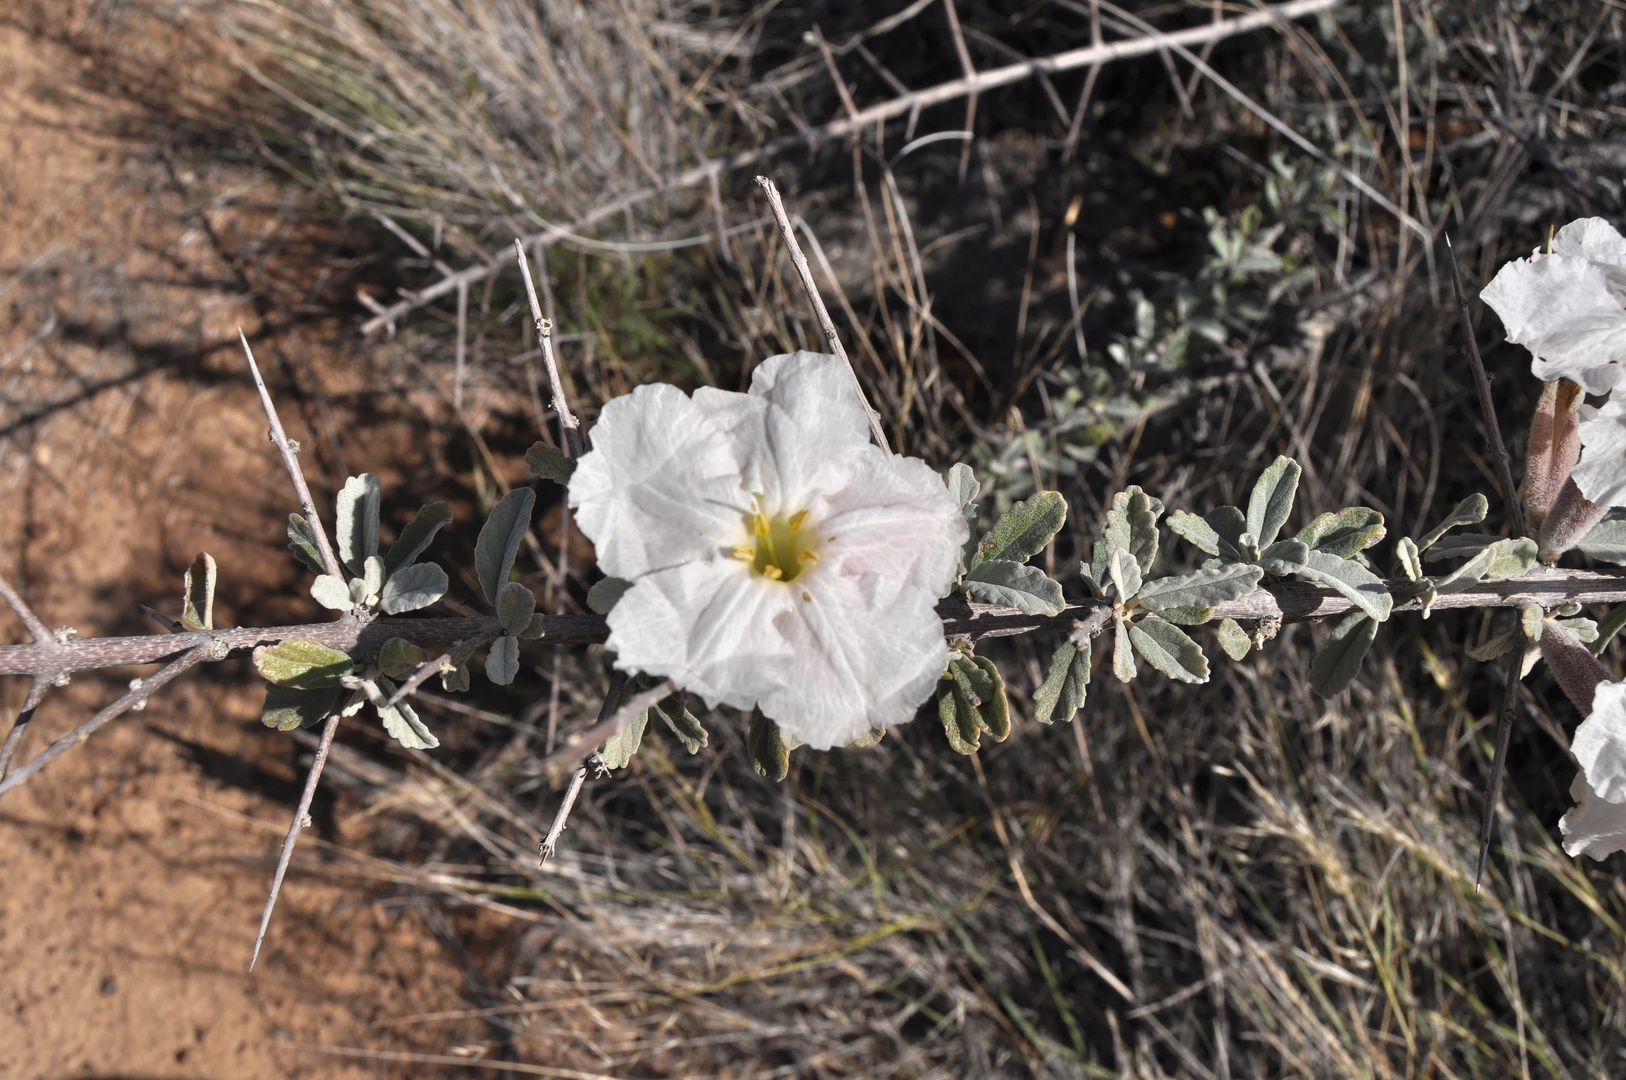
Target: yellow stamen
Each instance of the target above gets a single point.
(745, 552)
(759, 525)
(808, 557)
(772, 572)
(797, 520)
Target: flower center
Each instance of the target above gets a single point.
(779, 547)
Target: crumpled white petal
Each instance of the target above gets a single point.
(1596, 826)
(1563, 309)
(1601, 472)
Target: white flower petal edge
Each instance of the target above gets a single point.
(778, 559)
(1596, 826)
(1566, 307)
(1601, 472)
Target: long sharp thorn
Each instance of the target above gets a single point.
(287, 854)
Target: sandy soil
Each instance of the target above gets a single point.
(132, 872)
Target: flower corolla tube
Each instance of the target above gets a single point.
(778, 559)
(1596, 825)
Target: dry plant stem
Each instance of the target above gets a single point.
(1504, 736)
(450, 661)
(558, 763)
(290, 458)
(550, 843)
(1493, 431)
(980, 83)
(568, 424)
(31, 622)
(287, 853)
(805, 272)
(37, 631)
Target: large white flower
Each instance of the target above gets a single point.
(1597, 824)
(778, 558)
(1601, 472)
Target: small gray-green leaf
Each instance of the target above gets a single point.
(963, 485)
(1025, 530)
(414, 586)
(302, 542)
(399, 658)
(305, 665)
(1409, 558)
(1468, 574)
(534, 629)
(1233, 639)
(287, 707)
(1272, 499)
(356, 518)
(1607, 539)
(961, 723)
(331, 592)
(770, 754)
(1364, 588)
(1470, 511)
(1512, 559)
(1141, 511)
(1284, 557)
(500, 538)
(1195, 531)
(198, 588)
(1350, 530)
(1608, 629)
(995, 708)
(1585, 630)
(1062, 693)
(372, 580)
(1125, 573)
(1496, 646)
(1191, 598)
(619, 748)
(1228, 524)
(1168, 648)
(515, 606)
(1456, 547)
(400, 720)
(502, 661)
(456, 681)
(604, 594)
(684, 724)
(550, 463)
(1340, 658)
(1013, 584)
(1123, 653)
(971, 679)
(416, 536)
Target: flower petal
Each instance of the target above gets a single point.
(661, 485)
(893, 520)
(1600, 743)
(817, 389)
(1601, 473)
(1596, 241)
(1562, 309)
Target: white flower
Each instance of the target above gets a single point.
(1597, 824)
(1601, 472)
(1566, 306)
(778, 558)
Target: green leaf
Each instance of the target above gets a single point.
(500, 538)
(770, 754)
(1012, 584)
(1191, 598)
(1364, 588)
(1350, 530)
(1608, 629)
(550, 463)
(1195, 531)
(869, 738)
(1340, 658)
(1024, 531)
(502, 660)
(995, 709)
(287, 708)
(1512, 559)
(1284, 557)
(971, 679)
(604, 594)
(302, 542)
(399, 658)
(415, 538)
(684, 724)
(1167, 647)
(1531, 621)
(535, 628)
(961, 721)
(515, 606)
(456, 681)
(963, 485)
(1607, 539)
(1409, 558)
(413, 587)
(1456, 547)
(1062, 693)
(1131, 527)
(1233, 639)
(198, 589)
(1123, 653)
(1228, 526)
(619, 748)
(400, 720)
(1585, 630)
(1125, 573)
(1272, 499)
(1495, 647)
(305, 665)
(1470, 511)
(331, 592)
(356, 518)
(372, 581)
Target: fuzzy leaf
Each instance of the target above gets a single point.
(1168, 648)
(1407, 555)
(287, 708)
(356, 518)
(198, 599)
(1511, 559)
(1024, 531)
(1284, 557)
(1350, 530)
(1504, 555)
(1233, 639)
(1470, 511)
(1012, 584)
(1062, 693)
(413, 587)
(1575, 669)
(961, 723)
(1229, 525)
(456, 681)
(372, 580)
(963, 485)
(399, 658)
(535, 628)
(331, 592)
(1131, 527)
(1272, 499)
(502, 661)
(1190, 599)
(618, 749)
(604, 594)
(1607, 539)
(770, 754)
(515, 606)
(416, 537)
(684, 724)
(1531, 618)
(1125, 574)
(1195, 531)
(304, 665)
(400, 720)
(550, 463)
(302, 542)
(500, 538)
(1364, 588)
(995, 709)
(972, 681)
(1340, 658)
(1608, 629)
(1585, 630)
(1123, 653)
(1496, 646)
